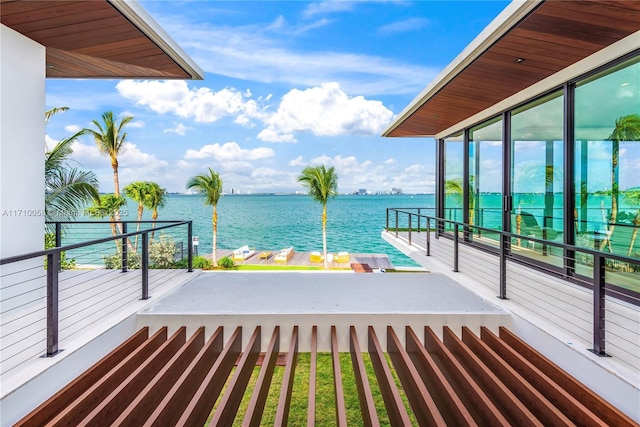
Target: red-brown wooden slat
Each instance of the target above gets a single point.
(284, 402)
(424, 407)
(261, 389)
(569, 405)
(177, 398)
(313, 359)
(200, 406)
(396, 410)
(108, 409)
(71, 413)
(605, 410)
(75, 388)
(503, 396)
(148, 399)
(341, 409)
(544, 409)
(367, 405)
(443, 392)
(228, 407)
(476, 395)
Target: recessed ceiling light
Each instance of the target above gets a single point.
(519, 60)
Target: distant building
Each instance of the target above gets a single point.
(362, 191)
(396, 190)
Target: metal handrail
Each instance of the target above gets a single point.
(53, 263)
(599, 264)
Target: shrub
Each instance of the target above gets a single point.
(162, 252)
(65, 264)
(226, 262)
(114, 261)
(199, 262)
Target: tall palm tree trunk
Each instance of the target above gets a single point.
(154, 218)
(634, 234)
(214, 220)
(324, 236)
(140, 210)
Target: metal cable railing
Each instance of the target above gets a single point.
(34, 301)
(588, 267)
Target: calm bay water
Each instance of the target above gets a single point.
(354, 223)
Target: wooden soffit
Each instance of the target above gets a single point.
(549, 38)
(98, 39)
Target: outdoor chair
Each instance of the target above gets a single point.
(529, 227)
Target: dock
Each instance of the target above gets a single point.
(302, 259)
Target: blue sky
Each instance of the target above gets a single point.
(287, 84)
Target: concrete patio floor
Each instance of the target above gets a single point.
(319, 293)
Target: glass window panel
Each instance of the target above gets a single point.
(607, 165)
(537, 175)
(485, 178)
(453, 171)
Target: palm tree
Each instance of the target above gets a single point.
(67, 189)
(322, 184)
(108, 205)
(111, 141)
(138, 191)
(210, 187)
(156, 198)
(627, 128)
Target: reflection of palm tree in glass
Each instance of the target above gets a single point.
(627, 128)
(454, 187)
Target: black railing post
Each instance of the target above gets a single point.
(145, 266)
(58, 234)
(428, 236)
(410, 228)
(598, 305)
(125, 261)
(503, 266)
(190, 246)
(396, 224)
(53, 266)
(455, 247)
(387, 219)
(418, 220)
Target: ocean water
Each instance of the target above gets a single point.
(354, 223)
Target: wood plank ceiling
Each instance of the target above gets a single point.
(89, 39)
(554, 36)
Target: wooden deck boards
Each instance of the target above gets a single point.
(302, 259)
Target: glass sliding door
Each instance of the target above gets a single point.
(607, 164)
(537, 176)
(485, 179)
(453, 178)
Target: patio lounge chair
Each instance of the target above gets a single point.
(284, 255)
(242, 253)
(341, 257)
(529, 227)
(316, 257)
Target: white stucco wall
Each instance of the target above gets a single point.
(22, 284)
(22, 105)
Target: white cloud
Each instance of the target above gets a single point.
(201, 104)
(325, 7)
(390, 161)
(408, 25)
(179, 128)
(229, 151)
(135, 125)
(260, 53)
(72, 129)
(298, 161)
(326, 111)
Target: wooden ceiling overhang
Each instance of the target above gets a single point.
(98, 39)
(548, 37)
